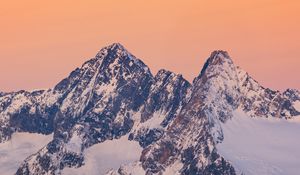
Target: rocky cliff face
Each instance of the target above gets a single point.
(26, 112)
(115, 94)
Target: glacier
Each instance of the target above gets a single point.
(261, 145)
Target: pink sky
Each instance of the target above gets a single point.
(42, 42)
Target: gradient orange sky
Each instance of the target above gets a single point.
(43, 41)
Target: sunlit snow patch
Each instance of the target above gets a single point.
(111, 154)
(16, 150)
(262, 146)
(297, 105)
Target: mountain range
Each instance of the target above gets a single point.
(163, 123)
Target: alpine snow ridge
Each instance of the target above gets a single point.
(114, 95)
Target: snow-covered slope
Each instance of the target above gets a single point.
(111, 154)
(20, 146)
(261, 145)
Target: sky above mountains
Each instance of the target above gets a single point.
(42, 42)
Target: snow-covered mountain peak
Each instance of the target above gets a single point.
(220, 54)
(219, 57)
(112, 51)
(116, 47)
(116, 55)
(219, 64)
(113, 72)
(218, 78)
